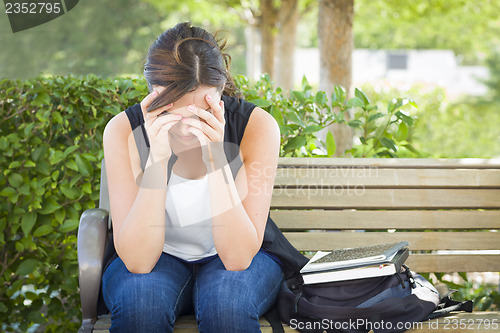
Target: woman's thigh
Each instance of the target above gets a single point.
(233, 301)
(147, 302)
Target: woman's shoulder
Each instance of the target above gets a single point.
(123, 122)
(117, 126)
(238, 106)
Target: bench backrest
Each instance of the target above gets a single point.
(448, 210)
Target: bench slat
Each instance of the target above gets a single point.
(315, 241)
(451, 263)
(463, 322)
(413, 163)
(430, 263)
(365, 219)
(378, 177)
(342, 198)
(183, 324)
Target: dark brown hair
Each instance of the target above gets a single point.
(184, 58)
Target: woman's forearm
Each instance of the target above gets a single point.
(142, 235)
(234, 234)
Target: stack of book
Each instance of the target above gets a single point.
(355, 263)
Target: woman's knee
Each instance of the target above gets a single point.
(224, 315)
(145, 302)
(138, 304)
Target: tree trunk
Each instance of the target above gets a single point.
(284, 61)
(252, 51)
(335, 48)
(267, 27)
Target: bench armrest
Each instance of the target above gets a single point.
(92, 235)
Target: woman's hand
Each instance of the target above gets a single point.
(157, 126)
(209, 129)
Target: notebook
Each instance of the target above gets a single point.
(388, 267)
(350, 257)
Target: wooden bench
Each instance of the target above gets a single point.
(448, 210)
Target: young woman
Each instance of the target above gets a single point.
(190, 174)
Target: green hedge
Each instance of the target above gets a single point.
(51, 147)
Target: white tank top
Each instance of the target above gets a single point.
(188, 219)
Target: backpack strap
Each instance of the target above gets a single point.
(274, 319)
(448, 305)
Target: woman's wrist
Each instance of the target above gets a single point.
(155, 174)
(216, 157)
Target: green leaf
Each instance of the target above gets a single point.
(375, 116)
(331, 147)
(261, 102)
(60, 215)
(29, 164)
(42, 99)
(35, 317)
(43, 167)
(19, 246)
(15, 180)
(305, 83)
(388, 143)
(49, 206)
(43, 230)
(355, 123)
(402, 132)
(312, 129)
(68, 226)
(55, 175)
(38, 153)
(57, 117)
(299, 95)
(412, 149)
(338, 93)
(28, 129)
(354, 102)
(4, 143)
(320, 98)
(295, 143)
(83, 164)
(3, 223)
(27, 266)
(361, 95)
(276, 113)
(7, 192)
(87, 188)
(406, 119)
(70, 164)
(3, 308)
(56, 157)
(69, 150)
(14, 165)
(28, 221)
(75, 180)
(70, 192)
(294, 117)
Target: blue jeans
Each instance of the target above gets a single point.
(223, 301)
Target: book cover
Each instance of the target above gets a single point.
(351, 257)
(389, 267)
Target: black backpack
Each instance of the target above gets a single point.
(334, 306)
